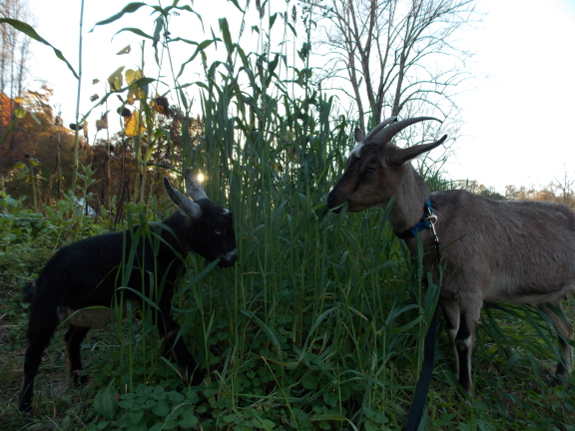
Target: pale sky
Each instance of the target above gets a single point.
(518, 120)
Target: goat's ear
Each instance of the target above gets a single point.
(404, 155)
(359, 135)
(193, 186)
(191, 209)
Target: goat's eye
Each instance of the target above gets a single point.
(219, 232)
(370, 169)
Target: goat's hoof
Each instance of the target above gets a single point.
(79, 380)
(197, 378)
(194, 377)
(25, 406)
(556, 381)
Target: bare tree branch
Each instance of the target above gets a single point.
(394, 53)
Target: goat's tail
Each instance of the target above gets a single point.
(28, 291)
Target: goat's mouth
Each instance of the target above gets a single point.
(346, 206)
(338, 208)
(336, 205)
(228, 259)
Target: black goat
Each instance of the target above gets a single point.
(88, 272)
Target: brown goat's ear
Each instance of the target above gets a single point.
(404, 155)
(191, 209)
(193, 187)
(359, 135)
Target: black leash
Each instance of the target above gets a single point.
(421, 390)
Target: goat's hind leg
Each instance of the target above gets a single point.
(73, 338)
(43, 322)
(564, 331)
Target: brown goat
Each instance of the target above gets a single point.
(516, 252)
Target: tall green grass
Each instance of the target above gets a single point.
(318, 323)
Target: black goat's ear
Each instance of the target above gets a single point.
(193, 186)
(191, 209)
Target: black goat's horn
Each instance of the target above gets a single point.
(384, 135)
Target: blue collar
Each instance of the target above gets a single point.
(426, 222)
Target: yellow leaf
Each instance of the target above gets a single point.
(19, 112)
(135, 94)
(132, 123)
(95, 81)
(94, 97)
(132, 75)
(115, 80)
(125, 50)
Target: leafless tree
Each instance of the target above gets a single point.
(15, 48)
(562, 190)
(14, 56)
(397, 56)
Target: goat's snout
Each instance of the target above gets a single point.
(228, 259)
(331, 201)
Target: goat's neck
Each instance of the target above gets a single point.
(175, 240)
(409, 202)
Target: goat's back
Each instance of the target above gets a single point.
(527, 247)
(87, 272)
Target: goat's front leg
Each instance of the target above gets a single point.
(73, 338)
(170, 331)
(451, 314)
(464, 340)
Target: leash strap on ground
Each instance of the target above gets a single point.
(422, 388)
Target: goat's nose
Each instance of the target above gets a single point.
(330, 200)
(229, 258)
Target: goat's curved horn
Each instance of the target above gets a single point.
(380, 126)
(383, 136)
(191, 209)
(193, 186)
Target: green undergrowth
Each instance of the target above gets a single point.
(300, 334)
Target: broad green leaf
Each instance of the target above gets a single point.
(130, 8)
(105, 403)
(30, 32)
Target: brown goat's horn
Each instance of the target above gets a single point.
(384, 135)
(379, 127)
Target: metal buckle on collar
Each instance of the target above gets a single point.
(432, 219)
(426, 222)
